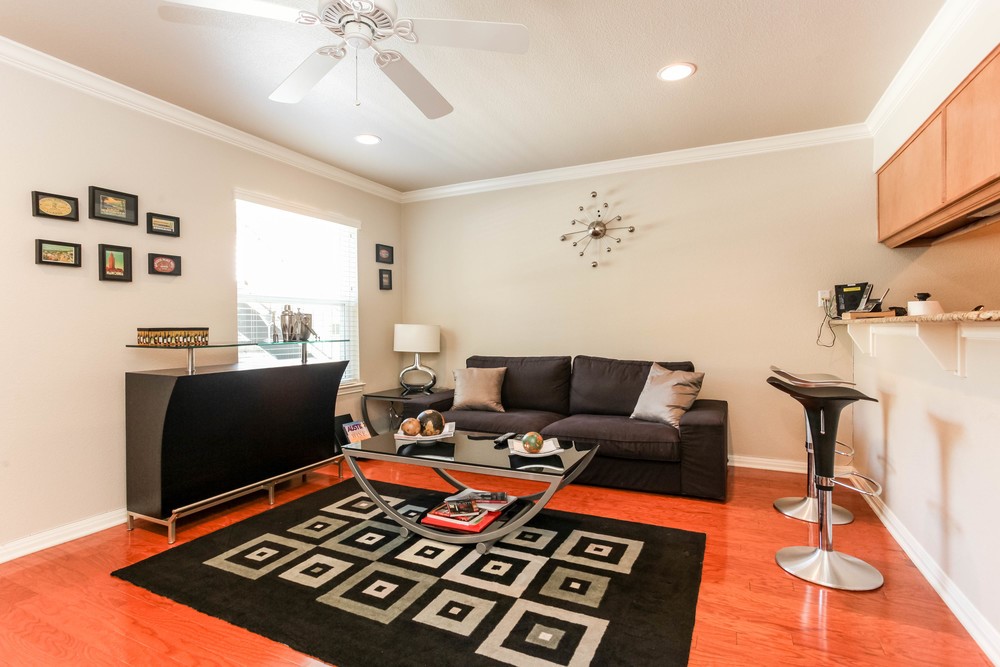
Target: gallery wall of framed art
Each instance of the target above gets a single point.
(114, 262)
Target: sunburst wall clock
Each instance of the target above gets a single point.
(595, 229)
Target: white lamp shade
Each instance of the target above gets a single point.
(417, 338)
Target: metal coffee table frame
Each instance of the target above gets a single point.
(491, 534)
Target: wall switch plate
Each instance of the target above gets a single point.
(822, 297)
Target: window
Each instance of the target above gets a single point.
(309, 263)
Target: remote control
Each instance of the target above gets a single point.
(500, 440)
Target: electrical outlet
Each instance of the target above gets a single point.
(822, 297)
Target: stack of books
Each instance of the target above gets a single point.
(474, 522)
(470, 511)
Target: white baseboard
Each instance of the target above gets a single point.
(780, 465)
(62, 534)
(982, 631)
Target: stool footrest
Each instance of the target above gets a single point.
(876, 492)
(846, 451)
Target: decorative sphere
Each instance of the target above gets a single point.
(410, 426)
(431, 422)
(532, 442)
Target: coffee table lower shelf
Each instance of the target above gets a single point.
(484, 540)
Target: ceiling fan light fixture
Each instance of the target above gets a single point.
(676, 71)
(368, 139)
(358, 34)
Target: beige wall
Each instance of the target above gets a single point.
(723, 270)
(62, 450)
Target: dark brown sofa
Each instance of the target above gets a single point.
(589, 400)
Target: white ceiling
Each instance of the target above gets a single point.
(585, 92)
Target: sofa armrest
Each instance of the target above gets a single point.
(705, 449)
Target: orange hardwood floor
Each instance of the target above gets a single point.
(61, 606)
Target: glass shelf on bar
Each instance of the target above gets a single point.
(262, 343)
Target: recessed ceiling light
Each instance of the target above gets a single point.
(676, 72)
(368, 139)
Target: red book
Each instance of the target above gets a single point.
(474, 524)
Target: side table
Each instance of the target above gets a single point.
(413, 403)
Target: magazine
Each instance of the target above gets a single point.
(492, 501)
(356, 431)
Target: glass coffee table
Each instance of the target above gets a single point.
(471, 453)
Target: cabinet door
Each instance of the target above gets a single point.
(912, 185)
(972, 120)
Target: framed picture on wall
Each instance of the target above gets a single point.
(383, 253)
(168, 225)
(59, 253)
(114, 206)
(164, 265)
(47, 205)
(115, 262)
(384, 279)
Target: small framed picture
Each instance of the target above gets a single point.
(114, 206)
(60, 253)
(115, 262)
(383, 253)
(384, 279)
(164, 265)
(168, 225)
(47, 205)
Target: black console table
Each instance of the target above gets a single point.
(196, 440)
(414, 402)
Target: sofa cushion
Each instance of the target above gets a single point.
(667, 395)
(516, 421)
(478, 389)
(620, 436)
(533, 383)
(611, 386)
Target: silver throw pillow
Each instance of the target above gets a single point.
(478, 389)
(667, 395)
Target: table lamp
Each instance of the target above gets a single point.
(417, 338)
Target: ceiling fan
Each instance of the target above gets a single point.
(364, 24)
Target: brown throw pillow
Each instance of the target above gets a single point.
(667, 395)
(478, 389)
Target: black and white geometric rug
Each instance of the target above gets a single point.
(329, 575)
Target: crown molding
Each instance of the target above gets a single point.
(46, 66)
(939, 34)
(783, 142)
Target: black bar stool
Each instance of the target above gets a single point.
(803, 508)
(822, 565)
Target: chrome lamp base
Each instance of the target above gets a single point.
(411, 388)
(829, 568)
(807, 509)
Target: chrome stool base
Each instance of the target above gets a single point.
(829, 568)
(807, 509)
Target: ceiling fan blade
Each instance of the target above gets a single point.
(261, 8)
(485, 35)
(413, 84)
(305, 77)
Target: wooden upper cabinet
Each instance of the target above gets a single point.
(912, 185)
(972, 121)
(940, 182)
